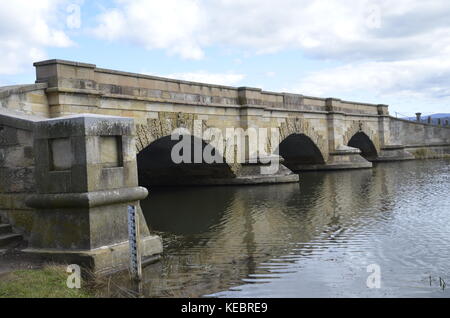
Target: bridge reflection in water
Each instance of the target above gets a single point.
(315, 238)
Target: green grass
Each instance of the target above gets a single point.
(47, 282)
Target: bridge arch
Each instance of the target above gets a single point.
(156, 165)
(298, 150)
(361, 141)
(364, 127)
(304, 127)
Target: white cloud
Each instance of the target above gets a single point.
(408, 83)
(154, 24)
(228, 79)
(26, 29)
(426, 76)
(338, 29)
(387, 48)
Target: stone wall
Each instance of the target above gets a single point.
(132, 93)
(409, 133)
(421, 139)
(27, 99)
(16, 169)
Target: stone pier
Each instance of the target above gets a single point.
(86, 176)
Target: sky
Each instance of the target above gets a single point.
(383, 52)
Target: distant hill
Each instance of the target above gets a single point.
(434, 118)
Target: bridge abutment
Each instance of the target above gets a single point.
(86, 176)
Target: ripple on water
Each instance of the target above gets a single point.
(313, 239)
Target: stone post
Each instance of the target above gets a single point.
(86, 176)
(383, 110)
(249, 96)
(250, 101)
(383, 124)
(418, 116)
(335, 117)
(332, 104)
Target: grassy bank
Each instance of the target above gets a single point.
(49, 281)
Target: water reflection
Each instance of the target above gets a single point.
(314, 238)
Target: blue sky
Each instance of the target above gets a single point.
(394, 53)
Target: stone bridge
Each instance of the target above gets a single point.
(314, 134)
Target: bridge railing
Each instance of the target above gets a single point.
(427, 118)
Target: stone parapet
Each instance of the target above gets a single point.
(66, 77)
(27, 99)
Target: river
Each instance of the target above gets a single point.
(315, 238)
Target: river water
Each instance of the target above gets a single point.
(315, 238)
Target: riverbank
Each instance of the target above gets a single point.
(25, 276)
(49, 281)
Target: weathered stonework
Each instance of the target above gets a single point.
(316, 133)
(159, 105)
(17, 167)
(85, 176)
(302, 126)
(27, 99)
(365, 127)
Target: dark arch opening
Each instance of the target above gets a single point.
(361, 141)
(156, 167)
(299, 152)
